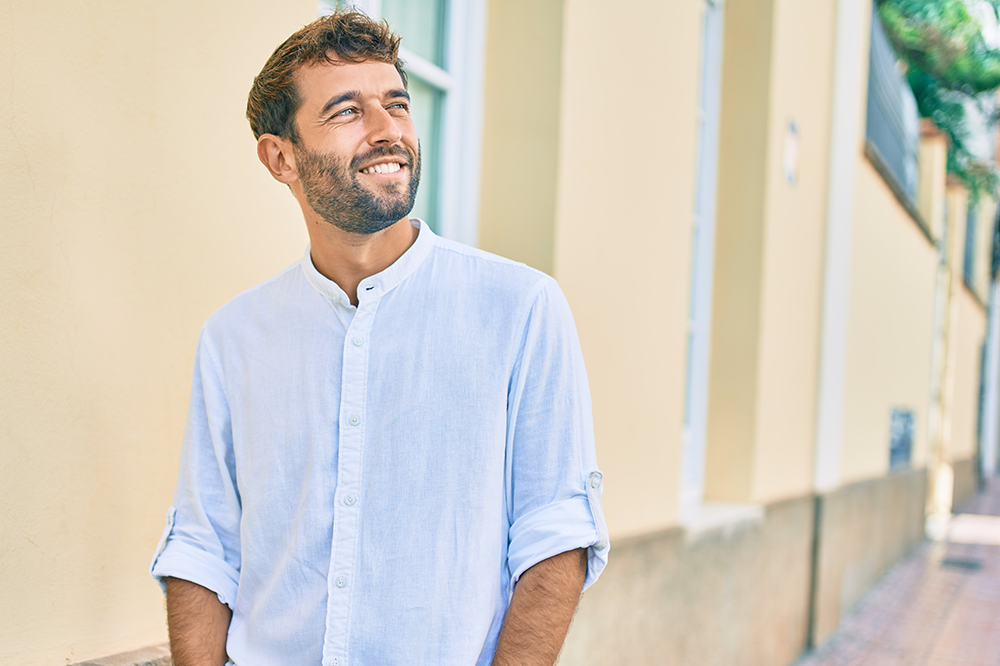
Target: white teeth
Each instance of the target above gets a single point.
(391, 167)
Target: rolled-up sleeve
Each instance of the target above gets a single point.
(553, 486)
(201, 541)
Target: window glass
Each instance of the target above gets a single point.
(969, 265)
(893, 122)
(421, 25)
(425, 105)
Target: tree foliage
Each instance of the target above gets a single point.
(950, 67)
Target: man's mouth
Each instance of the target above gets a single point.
(387, 167)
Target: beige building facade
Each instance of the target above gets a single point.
(784, 336)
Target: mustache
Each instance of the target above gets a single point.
(383, 151)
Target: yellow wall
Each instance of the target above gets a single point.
(736, 309)
(969, 338)
(889, 328)
(623, 217)
(932, 160)
(794, 235)
(133, 206)
(986, 213)
(777, 71)
(521, 130)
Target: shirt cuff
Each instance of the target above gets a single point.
(176, 558)
(577, 522)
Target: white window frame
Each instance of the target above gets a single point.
(692, 482)
(461, 82)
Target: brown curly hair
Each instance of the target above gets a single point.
(342, 36)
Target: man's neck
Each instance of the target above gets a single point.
(348, 258)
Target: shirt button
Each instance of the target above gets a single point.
(358, 341)
(341, 581)
(349, 500)
(595, 481)
(354, 419)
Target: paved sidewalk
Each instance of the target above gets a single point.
(938, 607)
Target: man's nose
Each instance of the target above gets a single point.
(383, 127)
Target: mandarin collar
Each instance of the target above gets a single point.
(374, 286)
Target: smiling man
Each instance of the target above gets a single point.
(389, 453)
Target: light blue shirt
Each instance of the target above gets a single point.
(363, 486)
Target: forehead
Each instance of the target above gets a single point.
(319, 82)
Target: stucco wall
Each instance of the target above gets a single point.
(890, 327)
(970, 336)
(739, 249)
(521, 130)
(623, 243)
(133, 206)
(733, 595)
(986, 213)
(864, 528)
(776, 74)
(794, 233)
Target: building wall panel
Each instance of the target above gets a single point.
(970, 337)
(734, 595)
(133, 206)
(623, 238)
(794, 233)
(890, 328)
(865, 528)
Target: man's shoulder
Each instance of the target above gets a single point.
(481, 269)
(277, 292)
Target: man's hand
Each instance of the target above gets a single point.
(198, 624)
(541, 609)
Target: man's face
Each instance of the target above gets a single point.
(357, 156)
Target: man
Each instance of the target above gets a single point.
(389, 452)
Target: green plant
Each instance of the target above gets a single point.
(950, 68)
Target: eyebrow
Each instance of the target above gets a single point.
(342, 97)
(355, 94)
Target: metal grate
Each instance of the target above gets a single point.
(962, 563)
(893, 122)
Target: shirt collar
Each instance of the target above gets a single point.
(376, 285)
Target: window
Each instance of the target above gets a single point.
(443, 53)
(893, 122)
(702, 261)
(971, 236)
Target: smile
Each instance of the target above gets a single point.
(388, 167)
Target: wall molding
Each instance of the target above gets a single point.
(154, 655)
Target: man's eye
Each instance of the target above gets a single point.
(400, 105)
(350, 111)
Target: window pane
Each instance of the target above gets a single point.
(893, 122)
(421, 25)
(969, 265)
(426, 102)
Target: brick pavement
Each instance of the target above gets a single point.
(940, 606)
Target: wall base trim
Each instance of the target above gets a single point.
(154, 655)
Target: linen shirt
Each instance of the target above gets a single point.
(363, 485)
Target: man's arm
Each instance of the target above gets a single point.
(541, 609)
(198, 623)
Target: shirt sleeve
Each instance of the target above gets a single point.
(201, 541)
(553, 486)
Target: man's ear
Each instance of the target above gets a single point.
(277, 155)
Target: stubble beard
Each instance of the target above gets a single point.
(333, 190)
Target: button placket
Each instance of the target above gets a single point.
(346, 519)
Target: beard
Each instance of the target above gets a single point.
(332, 188)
